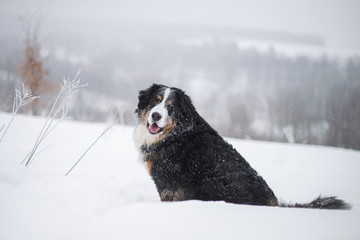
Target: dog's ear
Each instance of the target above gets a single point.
(144, 96)
(143, 99)
(186, 105)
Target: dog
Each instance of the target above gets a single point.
(188, 160)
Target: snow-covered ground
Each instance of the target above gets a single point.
(110, 196)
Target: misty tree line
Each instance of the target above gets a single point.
(278, 98)
(242, 93)
(304, 101)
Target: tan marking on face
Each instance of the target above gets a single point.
(159, 98)
(169, 126)
(142, 114)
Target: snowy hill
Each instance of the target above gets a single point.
(110, 196)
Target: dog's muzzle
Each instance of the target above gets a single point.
(153, 127)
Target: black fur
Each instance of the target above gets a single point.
(194, 162)
(321, 203)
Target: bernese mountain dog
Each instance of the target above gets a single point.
(188, 159)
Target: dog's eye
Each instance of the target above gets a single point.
(169, 107)
(157, 99)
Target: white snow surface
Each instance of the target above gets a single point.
(109, 195)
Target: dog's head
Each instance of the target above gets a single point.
(162, 111)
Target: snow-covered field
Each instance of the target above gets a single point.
(110, 196)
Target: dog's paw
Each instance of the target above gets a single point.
(169, 196)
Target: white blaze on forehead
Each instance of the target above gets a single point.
(166, 95)
(161, 109)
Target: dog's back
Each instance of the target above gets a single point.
(222, 173)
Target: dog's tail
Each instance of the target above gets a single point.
(320, 203)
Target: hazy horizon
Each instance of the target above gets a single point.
(336, 21)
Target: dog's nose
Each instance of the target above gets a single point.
(156, 116)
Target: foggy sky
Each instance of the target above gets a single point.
(336, 20)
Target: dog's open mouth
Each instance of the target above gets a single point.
(154, 128)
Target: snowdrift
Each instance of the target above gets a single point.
(110, 196)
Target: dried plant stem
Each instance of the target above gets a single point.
(7, 127)
(97, 139)
(43, 130)
(71, 86)
(20, 100)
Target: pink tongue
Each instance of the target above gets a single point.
(154, 128)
